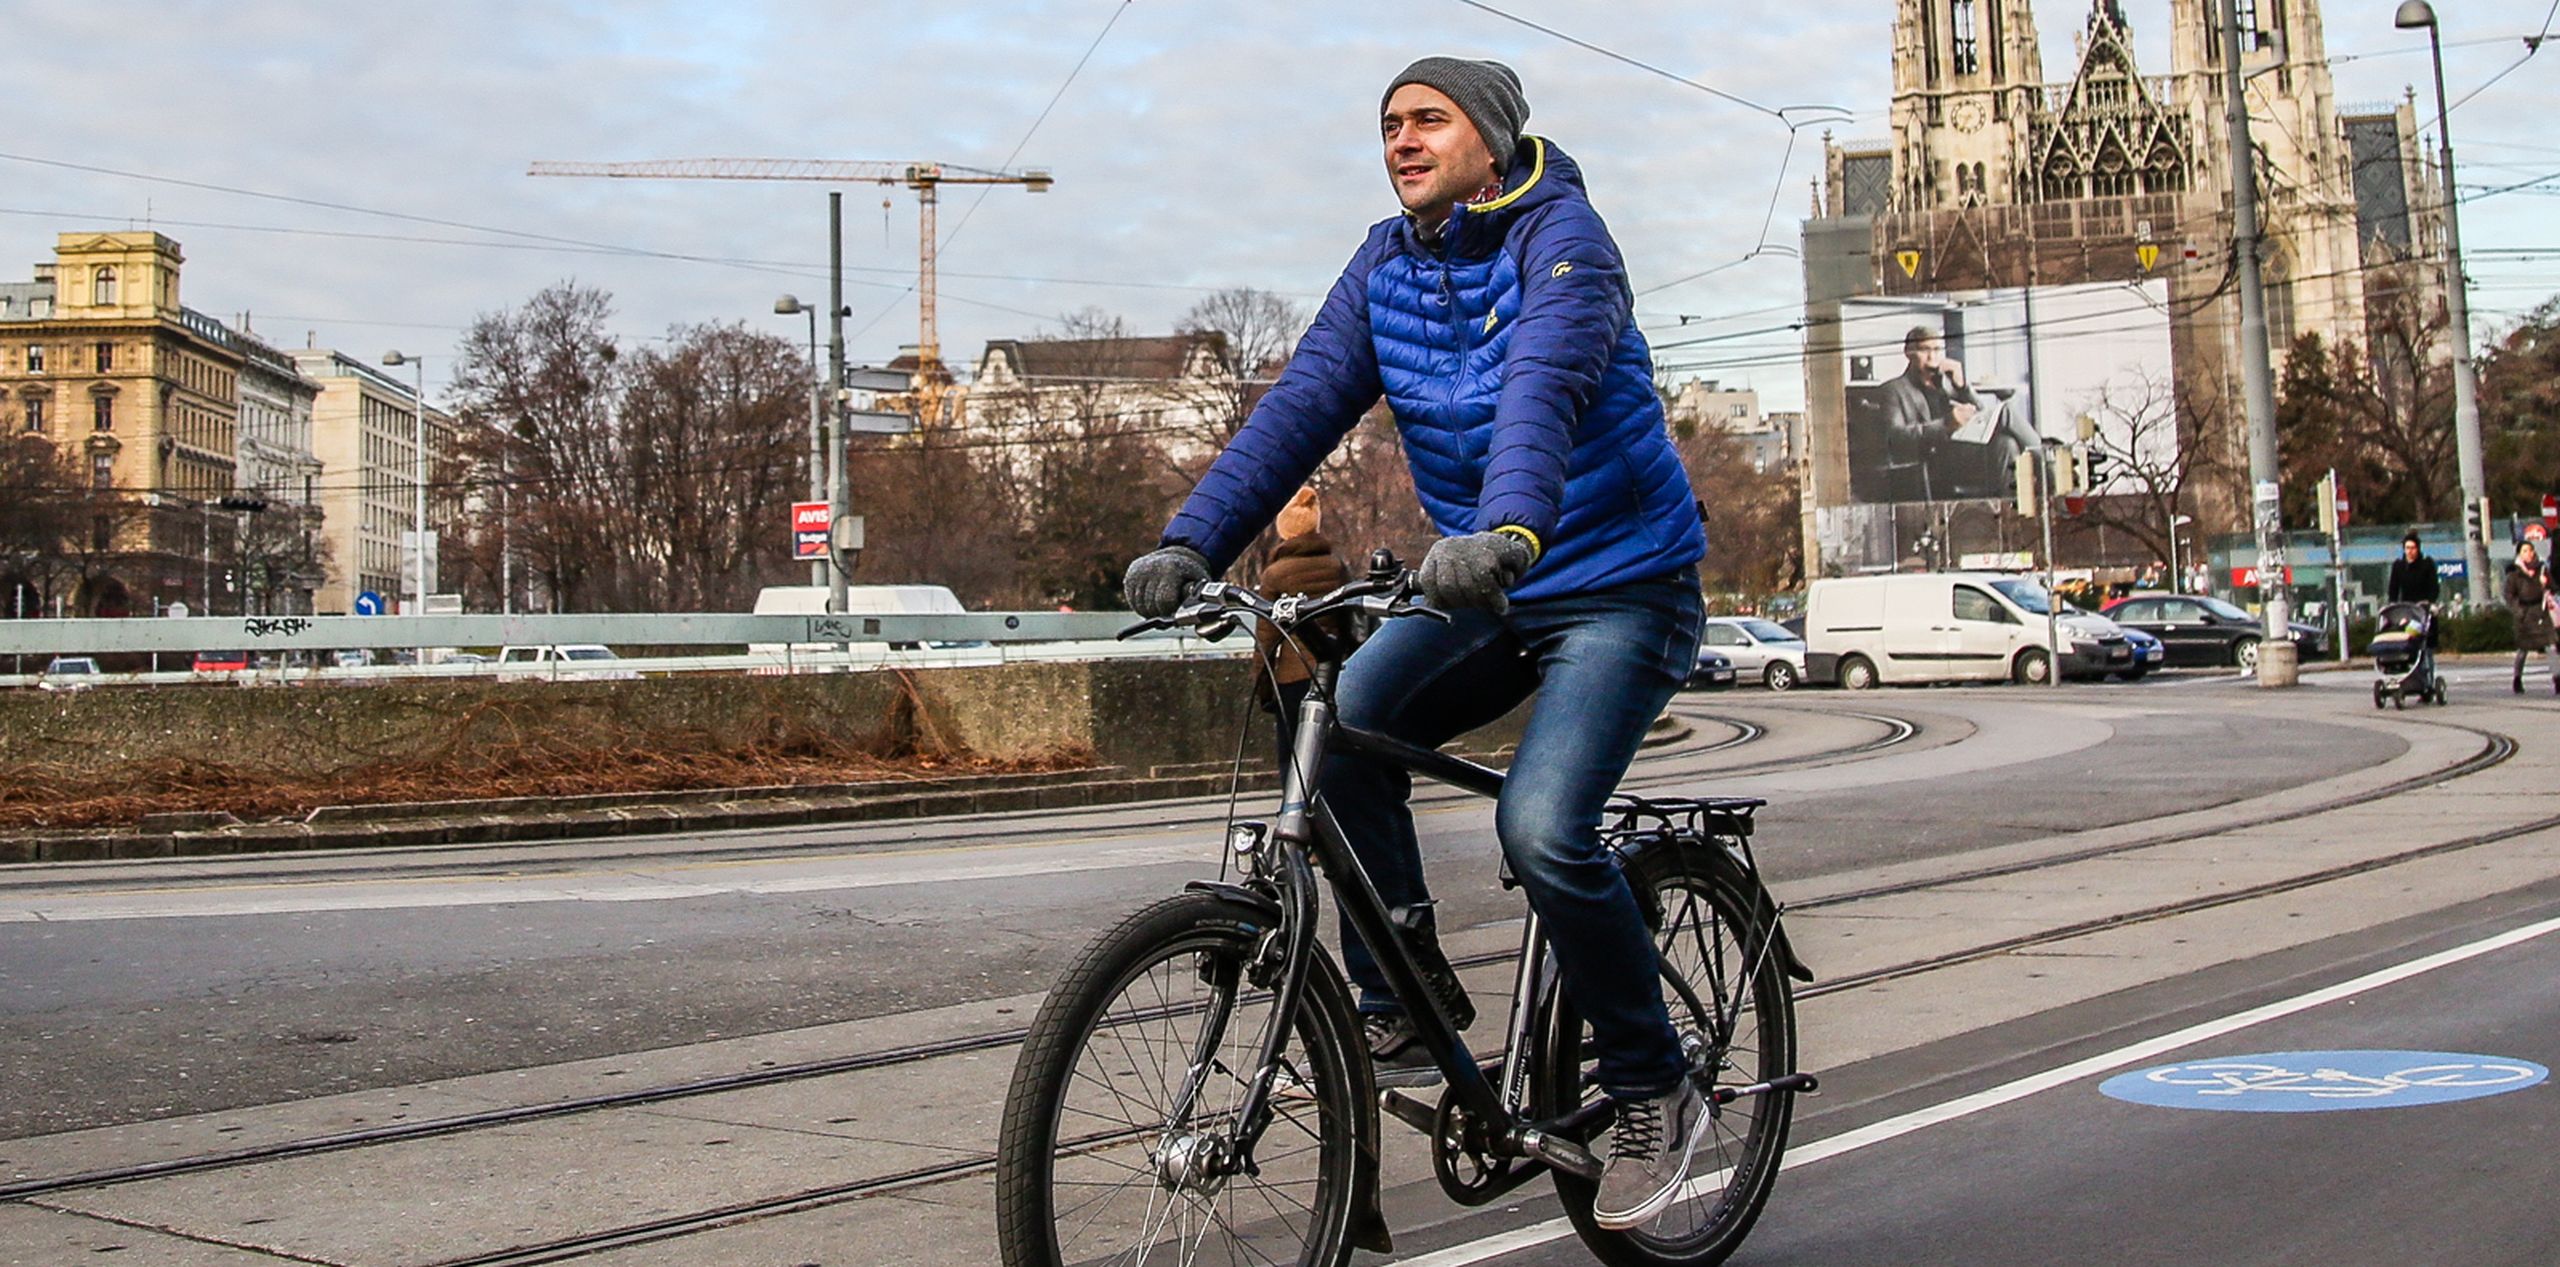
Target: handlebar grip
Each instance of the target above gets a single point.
(1149, 625)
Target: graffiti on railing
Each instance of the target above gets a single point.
(265, 626)
(831, 629)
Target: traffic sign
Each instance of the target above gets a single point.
(369, 603)
(1909, 261)
(2323, 1081)
(809, 529)
(2550, 513)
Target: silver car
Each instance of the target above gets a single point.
(1759, 649)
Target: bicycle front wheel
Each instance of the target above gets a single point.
(1122, 1141)
(1724, 981)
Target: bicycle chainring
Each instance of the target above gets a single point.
(1462, 1156)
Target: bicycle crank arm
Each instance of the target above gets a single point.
(1559, 1153)
(1790, 1082)
(1408, 1110)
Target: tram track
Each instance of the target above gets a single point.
(2494, 750)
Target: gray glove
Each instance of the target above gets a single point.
(1157, 581)
(1474, 570)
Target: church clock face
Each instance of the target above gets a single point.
(1969, 115)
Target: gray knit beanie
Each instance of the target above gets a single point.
(1488, 92)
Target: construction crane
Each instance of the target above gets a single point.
(924, 178)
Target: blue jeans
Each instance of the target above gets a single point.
(1608, 662)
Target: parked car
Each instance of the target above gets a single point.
(71, 673)
(221, 661)
(1760, 650)
(1712, 671)
(2196, 629)
(581, 659)
(1865, 631)
(2148, 653)
(352, 657)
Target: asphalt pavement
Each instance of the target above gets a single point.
(2012, 895)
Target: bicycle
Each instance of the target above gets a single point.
(1198, 1074)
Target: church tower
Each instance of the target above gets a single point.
(2306, 178)
(1967, 77)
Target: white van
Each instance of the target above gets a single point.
(859, 600)
(571, 659)
(1862, 631)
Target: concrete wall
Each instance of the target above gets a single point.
(1137, 714)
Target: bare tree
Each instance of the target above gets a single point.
(2150, 434)
(2380, 415)
(537, 389)
(58, 529)
(279, 552)
(715, 432)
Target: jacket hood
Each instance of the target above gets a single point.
(1540, 173)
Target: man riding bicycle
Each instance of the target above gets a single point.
(1495, 317)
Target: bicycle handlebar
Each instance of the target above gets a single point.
(1215, 608)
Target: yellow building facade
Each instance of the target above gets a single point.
(101, 359)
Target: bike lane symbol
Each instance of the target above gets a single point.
(2323, 1081)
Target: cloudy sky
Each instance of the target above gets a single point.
(353, 174)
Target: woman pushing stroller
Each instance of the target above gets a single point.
(2527, 590)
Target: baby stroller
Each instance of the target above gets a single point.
(2404, 655)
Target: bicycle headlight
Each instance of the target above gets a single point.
(1245, 839)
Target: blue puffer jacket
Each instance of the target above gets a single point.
(1519, 381)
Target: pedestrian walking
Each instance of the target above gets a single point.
(2527, 590)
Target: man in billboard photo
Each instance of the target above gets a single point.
(1965, 445)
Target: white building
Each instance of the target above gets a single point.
(364, 427)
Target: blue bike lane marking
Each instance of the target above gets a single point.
(2323, 1081)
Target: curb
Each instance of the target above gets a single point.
(516, 820)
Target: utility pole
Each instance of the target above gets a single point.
(2044, 475)
(838, 492)
(2457, 307)
(2276, 655)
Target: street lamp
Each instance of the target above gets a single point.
(786, 306)
(2413, 14)
(418, 478)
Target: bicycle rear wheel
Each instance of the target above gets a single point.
(1726, 986)
(1119, 1126)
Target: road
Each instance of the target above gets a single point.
(791, 1048)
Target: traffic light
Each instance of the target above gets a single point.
(2475, 521)
(2329, 504)
(2026, 478)
(2066, 469)
(2099, 465)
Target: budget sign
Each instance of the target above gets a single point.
(809, 530)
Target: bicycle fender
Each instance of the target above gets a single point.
(1261, 903)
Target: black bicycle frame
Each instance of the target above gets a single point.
(1307, 830)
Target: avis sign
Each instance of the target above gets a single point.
(2247, 577)
(809, 521)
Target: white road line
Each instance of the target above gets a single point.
(881, 871)
(1966, 1106)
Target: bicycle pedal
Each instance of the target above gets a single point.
(1796, 1082)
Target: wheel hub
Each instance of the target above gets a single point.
(1191, 1161)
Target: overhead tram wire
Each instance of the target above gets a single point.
(792, 268)
(1794, 118)
(1027, 133)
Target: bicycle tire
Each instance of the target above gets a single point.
(1087, 1117)
(1720, 923)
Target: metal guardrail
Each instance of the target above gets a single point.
(329, 633)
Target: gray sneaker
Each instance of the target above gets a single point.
(1397, 1057)
(1649, 1156)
